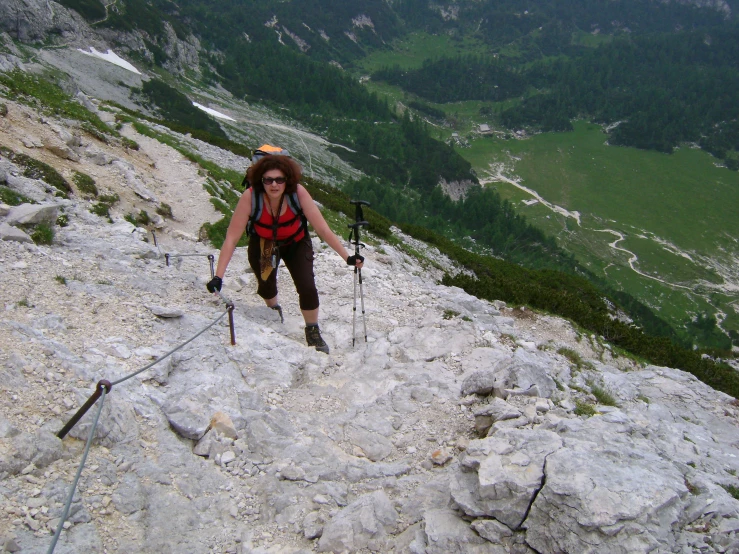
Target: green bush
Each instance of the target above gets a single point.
(603, 396)
(35, 169)
(129, 144)
(49, 97)
(165, 210)
(584, 409)
(102, 209)
(97, 133)
(12, 198)
(732, 490)
(43, 234)
(449, 314)
(571, 355)
(62, 220)
(85, 183)
(143, 218)
(92, 10)
(109, 199)
(176, 107)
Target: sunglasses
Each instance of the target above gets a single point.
(270, 180)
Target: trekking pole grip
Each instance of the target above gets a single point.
(358, 214)
(355, 230)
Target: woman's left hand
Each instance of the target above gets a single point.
(355, 260)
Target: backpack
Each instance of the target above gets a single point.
(257, 206)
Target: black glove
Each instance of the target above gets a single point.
(352, 260)
(214, 284)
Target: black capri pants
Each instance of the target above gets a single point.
(298, 258)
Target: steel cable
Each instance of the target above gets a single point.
(113, 383)
(104, 390)
(70, 496)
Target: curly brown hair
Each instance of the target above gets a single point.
(289, 167)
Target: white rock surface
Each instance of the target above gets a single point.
(314, 452)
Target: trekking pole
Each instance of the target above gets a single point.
(360, 222)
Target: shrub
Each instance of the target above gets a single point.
(109, 199)
(603, 395)
(102, 209)
(85, 183)
(584, 409)
(165, 210)
(732, 490)
(129, 144)
(61, 279)
(571, 355)
(40, 92)
(43, 234)
(143, 218)
(12, 198)
(98, 134)
(35, 169)
(62, 220)
(449, 314)
(131, 219)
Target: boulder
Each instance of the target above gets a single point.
(32, 214)
(600, 498)
(13, 234)
(369, 519)
(510, 471)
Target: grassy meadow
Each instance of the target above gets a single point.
(675, 212)
(413, 50)
(663, 227)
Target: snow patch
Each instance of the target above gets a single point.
(111, 57)
(213, 112)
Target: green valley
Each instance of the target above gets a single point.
(675, 214)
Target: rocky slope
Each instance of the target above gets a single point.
(454, 428)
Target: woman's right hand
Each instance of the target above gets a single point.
(214, 284)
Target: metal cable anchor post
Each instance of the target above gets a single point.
(230, 308)
(101, 385)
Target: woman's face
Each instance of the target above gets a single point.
(272, 187)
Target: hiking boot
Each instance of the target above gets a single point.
(313, 338)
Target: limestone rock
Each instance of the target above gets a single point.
(369, 518)
(639, 497)
(491, 530)
(61, 150)
(510, 471)
(221, 423)
(165, 312)
(375, 446)
(446, 533)
(14, 234)
(32, 214)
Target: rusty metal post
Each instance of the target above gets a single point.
(166, 257)
(230, 307)
(153, 234)
(102, 384)
(211, 259)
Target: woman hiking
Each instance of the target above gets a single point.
(275, 211)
